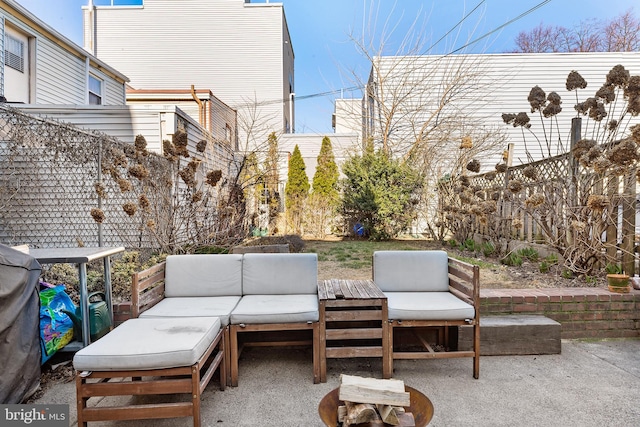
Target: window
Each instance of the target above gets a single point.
(14, 53)
(95, 90)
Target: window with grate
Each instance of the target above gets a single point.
(14, 53)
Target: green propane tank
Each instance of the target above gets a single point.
(99, 322)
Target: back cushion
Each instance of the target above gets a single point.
(203, 275)
(411, 271)
(279, 274)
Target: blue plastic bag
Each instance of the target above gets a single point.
(56, 328)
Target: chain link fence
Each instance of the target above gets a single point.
(61, 186)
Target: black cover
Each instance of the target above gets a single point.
(19, 325)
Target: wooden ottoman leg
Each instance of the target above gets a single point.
(80, 399)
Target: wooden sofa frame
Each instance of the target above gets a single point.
(148, 289)
(464, 283)
(187, 379)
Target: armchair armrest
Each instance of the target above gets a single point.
(464, 282)
(147, 288)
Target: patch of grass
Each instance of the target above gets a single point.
(529, 254)
(512, 259)
(474, 261)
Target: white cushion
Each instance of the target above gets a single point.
(203, 275)
(220, 307)
(427, 306)
(282, 274)
(276, 309)
(144, 344)
(411, 271)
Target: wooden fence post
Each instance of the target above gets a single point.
(629, 223)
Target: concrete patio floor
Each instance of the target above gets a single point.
(595, 383)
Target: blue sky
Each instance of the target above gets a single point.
(326, 58)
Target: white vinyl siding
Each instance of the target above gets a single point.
(500, 83)
(237, 51)
(57, 68)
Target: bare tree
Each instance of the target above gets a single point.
(418, 107)
(623, 33)
(620, 34)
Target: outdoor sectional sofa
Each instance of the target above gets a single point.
(426, 291)
(256, 296)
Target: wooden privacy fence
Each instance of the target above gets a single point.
(557, 201)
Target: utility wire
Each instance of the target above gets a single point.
(354, 88)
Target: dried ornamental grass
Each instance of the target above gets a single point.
(139, 172)
(188, 175)
(575, 81)
(534, 200)
(618, 76)
(537, 98)
(597, 203)
(125, 185)
(530, 172)
(180, 142)
(130, 208)
(473, 166)
(97, 215)
(579, 226)
(140, 143)
(582, 147)
(598, 112)
(515, 186)
(197, 196)
(606, 93)
(625, 153)
(201, 146)
(601, 165)
(101, 191)
(144, 203)
(213, 177)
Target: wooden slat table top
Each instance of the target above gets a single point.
(346, 289)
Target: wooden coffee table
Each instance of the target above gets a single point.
(353, 322)
(420, 406)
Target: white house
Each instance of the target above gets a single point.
(239, 49)
(41, 66)
(467, 94)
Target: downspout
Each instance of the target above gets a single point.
(200, 107)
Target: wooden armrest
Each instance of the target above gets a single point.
(147, 288)
(464, 279)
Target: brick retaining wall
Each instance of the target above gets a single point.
(582, 312)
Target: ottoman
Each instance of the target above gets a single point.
(153, 356)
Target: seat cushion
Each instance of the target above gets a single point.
(220, 307)
(151, 343)
(254, 309)
(279, 274)
(203, 275)
(411, 271)
(427, 306)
